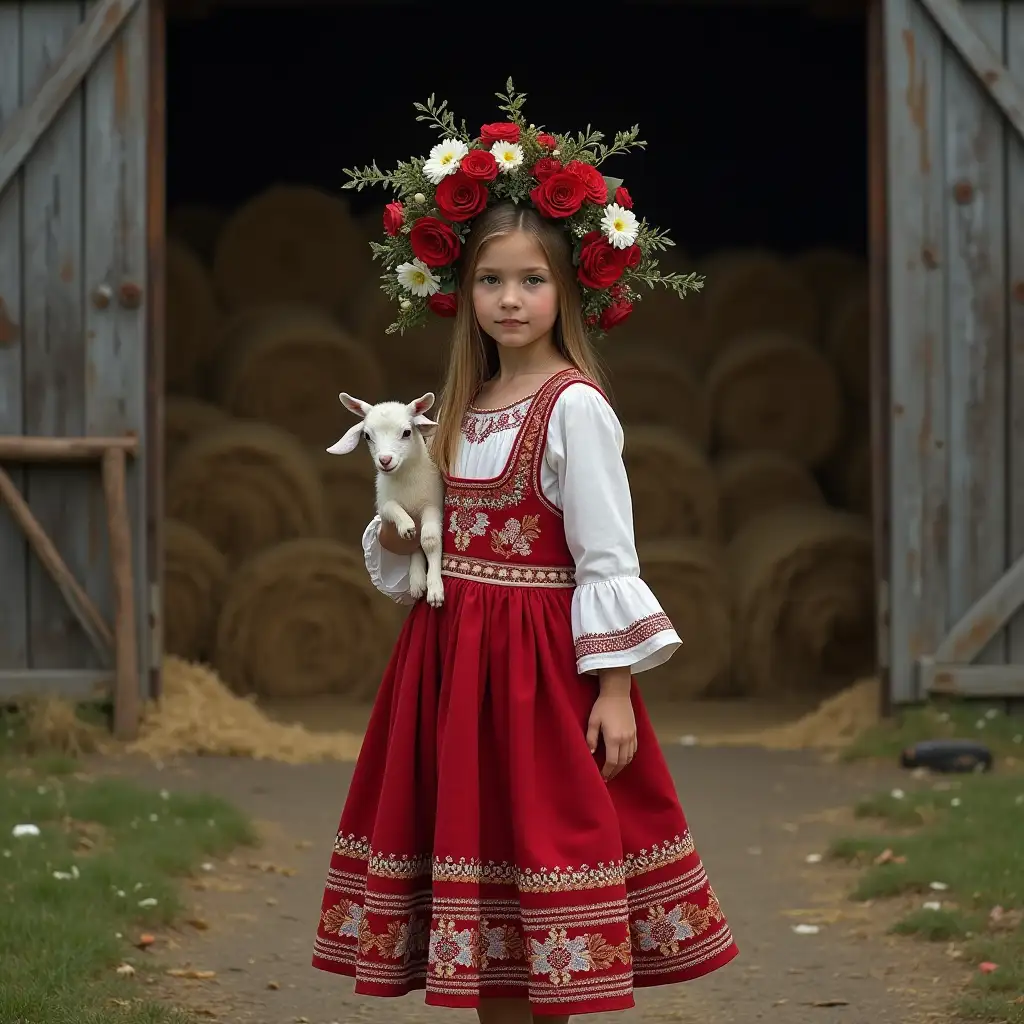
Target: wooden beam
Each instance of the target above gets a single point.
(74, 684)
(984, 618)
(980, 58)
(15, 448)
(78, 601)
(948, 679)
(127, 705)
(29, 124)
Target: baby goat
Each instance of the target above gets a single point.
(408, 485)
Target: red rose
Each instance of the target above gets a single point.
(443, 304)
(500, 131)
(460, 197)
(479, 165)
(547, 141)
(601, 264)
(560, 196)
(394, 216)
(597, 189)
(434, 242)
(591, 320)
(631, 257)
(615, 314)
(623, 198)
(545, 167)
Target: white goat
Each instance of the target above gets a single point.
(409, 485)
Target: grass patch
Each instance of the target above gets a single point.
(968, 837)
(942, 719)
(62, 938)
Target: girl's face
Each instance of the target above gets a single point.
(514, 293)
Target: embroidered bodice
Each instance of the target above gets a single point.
(538, 497)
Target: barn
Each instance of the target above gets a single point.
(869, 147)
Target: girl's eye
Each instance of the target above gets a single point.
(488, 279)
(407, 432)
(535, 280)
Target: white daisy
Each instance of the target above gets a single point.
(416, 277)
(619, 225)
(444, 159)
(508, 154)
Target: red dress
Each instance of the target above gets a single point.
(480, 853)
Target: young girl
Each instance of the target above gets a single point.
(512, 840)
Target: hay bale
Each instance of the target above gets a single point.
(755, 482)
(290, 244)
(348, 482)
(185, 419)
(757, 292)
(848, 474)
(246, 486)
(197, 225)
(803, 585)
(651, 388)
(302, 619)
(848, 342)
(829, 272)
(690, 580)
(194, 576)
(192, 316)
(287, 367)
(673, 486)
(773, 392)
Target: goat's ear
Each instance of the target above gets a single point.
(424, 426)
(421, 404)
(354, 405)
(348, 441)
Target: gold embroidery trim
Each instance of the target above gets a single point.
(619, 640)
(486, 571)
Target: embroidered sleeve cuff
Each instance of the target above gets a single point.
(389, 572)
(619, 623)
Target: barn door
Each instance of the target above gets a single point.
(73, 305)
(955, 195)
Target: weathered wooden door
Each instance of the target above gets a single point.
(955, 198)
(73, 310)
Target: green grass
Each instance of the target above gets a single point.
(967, 834)
(61, 940)
(943, 719)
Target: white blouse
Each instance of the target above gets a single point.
(582, 461)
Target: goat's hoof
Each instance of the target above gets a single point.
(405, 532)
(435, 596)
(417, 590)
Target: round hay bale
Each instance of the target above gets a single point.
(755, 482)
(287, 368)
(348, 482)
(198, 226)
(757, 292)
(848, 474)
(194, 576)
(803, 585)
(776, 393)
(690, 580)
(651, 388)
(829, 272)
(246, 486)
(290, 243)
(185, 419)
(663, 322)
(302, 619)
(192, 316)
(673, 486)
(848, 344)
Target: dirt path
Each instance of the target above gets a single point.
(756, 815)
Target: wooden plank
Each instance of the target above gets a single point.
(950, 679)
(971, 30)
(76, 599)
(72, 684)
(62, 449)
(51, 92)
(115, 254)
(917, 358)
(13, 550)
(1015, 348)
(67, 500)
(976, 212)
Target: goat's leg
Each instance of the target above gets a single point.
(417, 575)
(430, 542)
(404, 523)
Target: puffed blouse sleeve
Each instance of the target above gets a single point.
(389, 572)
(616, 619)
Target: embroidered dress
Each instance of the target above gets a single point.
(480, 853)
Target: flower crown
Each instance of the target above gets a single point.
(439, 198)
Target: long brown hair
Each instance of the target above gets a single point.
(473, 358)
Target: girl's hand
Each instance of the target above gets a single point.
(612, 720)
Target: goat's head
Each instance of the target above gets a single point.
(392, 430)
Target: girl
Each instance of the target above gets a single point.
(512, 839)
